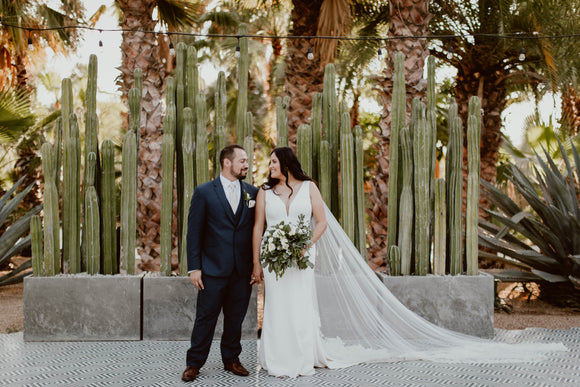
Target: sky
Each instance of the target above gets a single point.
(109, 58)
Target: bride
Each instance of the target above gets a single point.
(339, 313)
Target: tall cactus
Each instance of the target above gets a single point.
(331, 132)
(51, 220)
(316, 124)
(243, 68)
(249, 147)
(422, 182)
(282, 121)
(395, 260)
(304, 147)
(440, 229)
(167, 163)
(201, 154)
(128, 204)
(347, 178)
(405, 242)
(92, 219)
(71, 198)
(359, 187)
(454, 191)
(108, 208)
(188, 184)
(57, 147)
(325, 172)
(220, 120)
(473, 166)
(36, 246)
(397, 123)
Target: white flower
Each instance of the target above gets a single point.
(292, 230)
(271, 246)
(251, 203)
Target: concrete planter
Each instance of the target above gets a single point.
(459, 303)
(169, 310)
(82, 308)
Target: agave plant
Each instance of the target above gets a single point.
(550, 225)
(12, 241)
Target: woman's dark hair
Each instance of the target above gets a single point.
(288, 163)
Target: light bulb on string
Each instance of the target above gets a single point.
(238, 50)
(30, 45)
(380, 54)
(310, 54)
(100, 42)
(450, 53)
(171, 48)
(522, 56)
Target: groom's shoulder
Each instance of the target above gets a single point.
(205, 187)
(249, 187)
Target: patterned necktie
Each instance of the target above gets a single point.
(233, 198)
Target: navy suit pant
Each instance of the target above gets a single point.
(230, 294)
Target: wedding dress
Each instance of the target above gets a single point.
(340, 314)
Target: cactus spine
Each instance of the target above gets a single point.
(440, 229)
(473, 166)
(108, 208)
(51, 222)
(421, 157)
(325, 171)
(36, 244)
(167, 162)
(243, 67)
(188, 184)
(92, 219)
(304, 148)
(282, 121)
(128, 204)
(454, 194)
(397, 123)
(406, 210)
(347, 177)
(359, 191)
(330, 129)
(201, 154)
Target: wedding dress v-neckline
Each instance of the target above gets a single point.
(288, 206)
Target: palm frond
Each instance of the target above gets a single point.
(15, 114)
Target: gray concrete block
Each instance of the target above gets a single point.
(459, 303)
(82, 308)
(169, 310)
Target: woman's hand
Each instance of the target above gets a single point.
(257, 275)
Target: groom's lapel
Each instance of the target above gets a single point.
(220, 194)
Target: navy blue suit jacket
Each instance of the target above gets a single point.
(219, 241)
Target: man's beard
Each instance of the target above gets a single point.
(241, 175)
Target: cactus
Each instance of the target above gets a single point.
(440, 229)
(347, 197)
(359, 191)
(92, 219)
(330, 130)
(316, 124)
(51, 221)
(188, 184)
(220, 120)
(243, 68)
(201, 154)
(249, 147)
(304, 148)
(192, 79)
(406, 210)
(36, 244)
(395, 260)
(128, 204)
(282, 121)
(422, 182)
(167, 162)
(454, 191)
(57, 147)
(71, 199)
(108, 208)
(397, 123)
(325, 171)
(472, 211)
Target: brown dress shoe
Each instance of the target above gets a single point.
(236, 368)
(190, 374)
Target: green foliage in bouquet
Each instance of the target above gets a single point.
(551, 223)
(283, 245)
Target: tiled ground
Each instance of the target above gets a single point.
(146, 363)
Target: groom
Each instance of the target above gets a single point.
(219, 260)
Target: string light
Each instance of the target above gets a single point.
(522, 56)
(30, 45)
(310, 54)
(100, 40)
(380, 53)
(238, 49)
(450, 53)
(171, 48)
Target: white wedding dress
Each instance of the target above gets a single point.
(340, 314)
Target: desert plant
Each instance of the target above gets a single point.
(550, 225)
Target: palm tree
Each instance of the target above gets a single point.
(150, 52)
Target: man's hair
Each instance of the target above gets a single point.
(228, 153)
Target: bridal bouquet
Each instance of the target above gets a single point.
(283, 244)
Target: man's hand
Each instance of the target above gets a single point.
(195, 278)
(257, 275)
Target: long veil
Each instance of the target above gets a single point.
(361, 321)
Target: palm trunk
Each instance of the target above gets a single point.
(408, 18)
(140, 50)
(304, 77)
(571, 110)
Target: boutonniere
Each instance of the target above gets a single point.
(248, 199)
